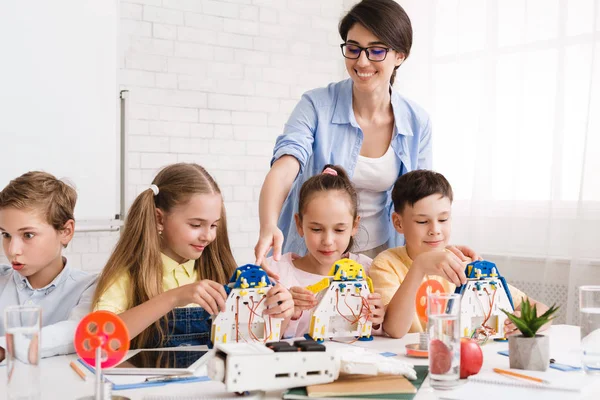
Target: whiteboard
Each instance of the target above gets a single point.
(59, 97)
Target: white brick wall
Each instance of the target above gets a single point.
(213, 82)
(226, 76)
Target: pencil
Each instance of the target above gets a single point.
(516, 374)
(78, 370)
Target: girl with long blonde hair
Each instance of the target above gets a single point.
(166, 275)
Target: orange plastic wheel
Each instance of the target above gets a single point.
(426, 288)
(102, 329)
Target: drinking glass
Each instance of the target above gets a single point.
(589, 308)
(443, 326)
(23, 326)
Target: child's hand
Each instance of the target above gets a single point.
(377, 309)
(509, 327)
(462, 252)
(441, 263)
(304, 299)
(279, 303)
(208, 294)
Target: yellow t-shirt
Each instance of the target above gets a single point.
(388, 271)
(116, 297)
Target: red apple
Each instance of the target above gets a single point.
(440, 357)
(471, 357)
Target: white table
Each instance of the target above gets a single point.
(60, 382)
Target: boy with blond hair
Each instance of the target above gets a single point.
(36, 223)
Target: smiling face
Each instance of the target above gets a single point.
(188, 228)
(327, 225)
(426, 225)
(370, 76)
(32, 245)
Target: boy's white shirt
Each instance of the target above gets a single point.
(57, 338)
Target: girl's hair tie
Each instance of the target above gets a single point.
(330, 171)
(154, 189)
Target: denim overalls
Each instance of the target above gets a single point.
(188, 326)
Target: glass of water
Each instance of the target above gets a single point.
(23, 326)
(589, 308)
(443, 320)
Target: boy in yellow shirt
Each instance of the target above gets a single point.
(405, 275)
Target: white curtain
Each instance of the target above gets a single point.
(513, 89)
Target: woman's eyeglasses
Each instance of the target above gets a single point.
(374, 53)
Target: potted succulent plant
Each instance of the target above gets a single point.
(529, 350)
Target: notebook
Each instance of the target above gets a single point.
(349, 385)
(562, 386)
(301, 393)
(558, 381)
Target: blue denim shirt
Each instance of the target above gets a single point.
(323, 130)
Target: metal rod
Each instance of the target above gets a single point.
(123, 150)
(113, 227)
(99, 386)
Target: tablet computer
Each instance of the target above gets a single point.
(166, 361)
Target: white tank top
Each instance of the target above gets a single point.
(372, 179)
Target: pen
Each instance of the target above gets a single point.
(516, 374)
(78, 370)
(168, 378)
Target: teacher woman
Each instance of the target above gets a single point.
(361, 124)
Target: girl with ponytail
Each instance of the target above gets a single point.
(166, 275)
(327, 221)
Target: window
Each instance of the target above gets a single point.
(512, 87)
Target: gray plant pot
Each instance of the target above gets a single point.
(531, 353)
